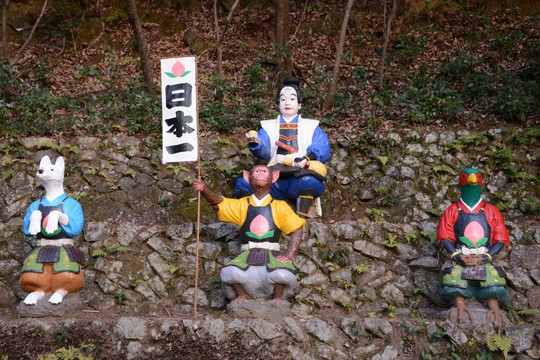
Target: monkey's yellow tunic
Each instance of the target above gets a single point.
(235, 210)
(260, 229)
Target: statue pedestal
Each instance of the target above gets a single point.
(267, 310)
(71, 304)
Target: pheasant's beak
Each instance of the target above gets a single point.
(472, 180)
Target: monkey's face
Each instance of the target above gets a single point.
(260, 176)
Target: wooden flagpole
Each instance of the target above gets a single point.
(198, 198)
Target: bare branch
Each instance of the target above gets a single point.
(300, 22)
(30, 36)
(142, 44)
(218, 37)
(96, 39)
(335, 73)
(228, 21)
(388, 27)
(5, 7)
(221, 33)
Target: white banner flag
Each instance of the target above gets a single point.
(179, 109)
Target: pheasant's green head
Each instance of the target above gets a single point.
(470, 184)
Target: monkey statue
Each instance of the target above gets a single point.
(259, 271)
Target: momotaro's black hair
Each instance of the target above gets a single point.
(293, 82)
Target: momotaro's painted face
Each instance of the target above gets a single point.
(288, 103)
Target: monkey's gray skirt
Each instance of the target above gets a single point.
(257, 281)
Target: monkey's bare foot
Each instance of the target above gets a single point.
(279, 300)
(242, 294)
(460, 309)
(494, 310)
(241, 299)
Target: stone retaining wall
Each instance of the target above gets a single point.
(369, 267)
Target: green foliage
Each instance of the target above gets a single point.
(383, 160)
(335, 259)
(172, 268)
(346, 306)
(530, 205)
(346, 284)
(391, 309)
(303, 300)
(465, 141)
(222, 143)
(115, 17)
(9, 174)
(33, 110)
(115, 248)
(441, 91)
(408, 48)
(391, 241)
(215, 112)
(389, 199)
(71, 353)
(257, 78)
(501, 156)
(224, 109)
(99, 253)
(411, 238)
(361, 268)
(529, 313)
(7, 80)
(120, 297)
(376, 215)
(500, 342)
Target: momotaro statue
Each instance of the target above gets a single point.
(296, 146)
(259, 271)
(473, 232)
(55, 265)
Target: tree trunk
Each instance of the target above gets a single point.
(142, 45)
(283, 19)
(5, 7)
(30, 36)
(387, 28)
(221, 34)
(329, 102)
(218, 35)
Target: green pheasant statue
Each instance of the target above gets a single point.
(473, 232)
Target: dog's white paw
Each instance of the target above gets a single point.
(34, 297)
(52, 221)
(35, 222)
(58, 296)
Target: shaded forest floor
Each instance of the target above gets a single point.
(445, 69)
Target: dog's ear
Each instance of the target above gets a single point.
(60, 165)
(45, 162)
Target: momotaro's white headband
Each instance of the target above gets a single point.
(287, 89)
